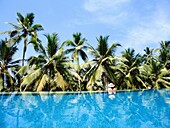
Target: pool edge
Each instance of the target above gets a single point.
(70, 92)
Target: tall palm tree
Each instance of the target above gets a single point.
(47, 71)
(128, 75)
(101, 64)
(25, 29)
(7, 52)
(77, 47)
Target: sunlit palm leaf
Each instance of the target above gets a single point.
(23, 70)
(30, 78)
(166, 78)
(42, 83)
(94, 77)
(61, 81)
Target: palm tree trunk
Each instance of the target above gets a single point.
(104, 80)
(78, 72)
(24, 50)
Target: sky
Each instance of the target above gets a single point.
(132, 23)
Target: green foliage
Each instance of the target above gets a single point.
(100, 69)
(23, 30)
(7, 52)
(58, 67)
(155, 74)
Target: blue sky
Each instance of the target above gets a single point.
(132, 23)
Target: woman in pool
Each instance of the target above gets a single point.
(111, 89)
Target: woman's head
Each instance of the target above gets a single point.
(111, 85)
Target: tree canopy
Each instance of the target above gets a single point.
(57, 65)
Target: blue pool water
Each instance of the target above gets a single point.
(141, 109)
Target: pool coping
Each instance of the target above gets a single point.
(69, 92)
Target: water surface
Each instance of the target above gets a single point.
(140, 109)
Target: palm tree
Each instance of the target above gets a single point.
(128, 75)
(101, 64)
(164, 51)
(48, 69)
(148, 55)
(77, 48)
(7, 52)
(156, 74)
(24, 30)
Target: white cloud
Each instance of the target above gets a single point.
(143, 24)
(113, 20)
(103, 5)
(107, 11)
(149, 34)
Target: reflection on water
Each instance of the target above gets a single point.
(128, 109)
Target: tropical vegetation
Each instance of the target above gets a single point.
(75, 64)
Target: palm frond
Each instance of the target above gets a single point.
(11, 33)
(118, 69)
(102, 47)
(69, 43)
(23, 70)
(14, 25)
(93, 51)
(76, 75)
(83, 55)
(75, 56)
(30, 17)
(30, 78)
(164, 82)
(90, 72)
(95, 76)
(111, 49)
(61, 81)
(69, 50)
(166, 78)
(164, 72)
(37, 27)
(82, 41)
(20, 16)
(77, 38)
(141, 81)
(42, 82)
(87, 64)
(53, 44)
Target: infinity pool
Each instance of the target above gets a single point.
(140, 109)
